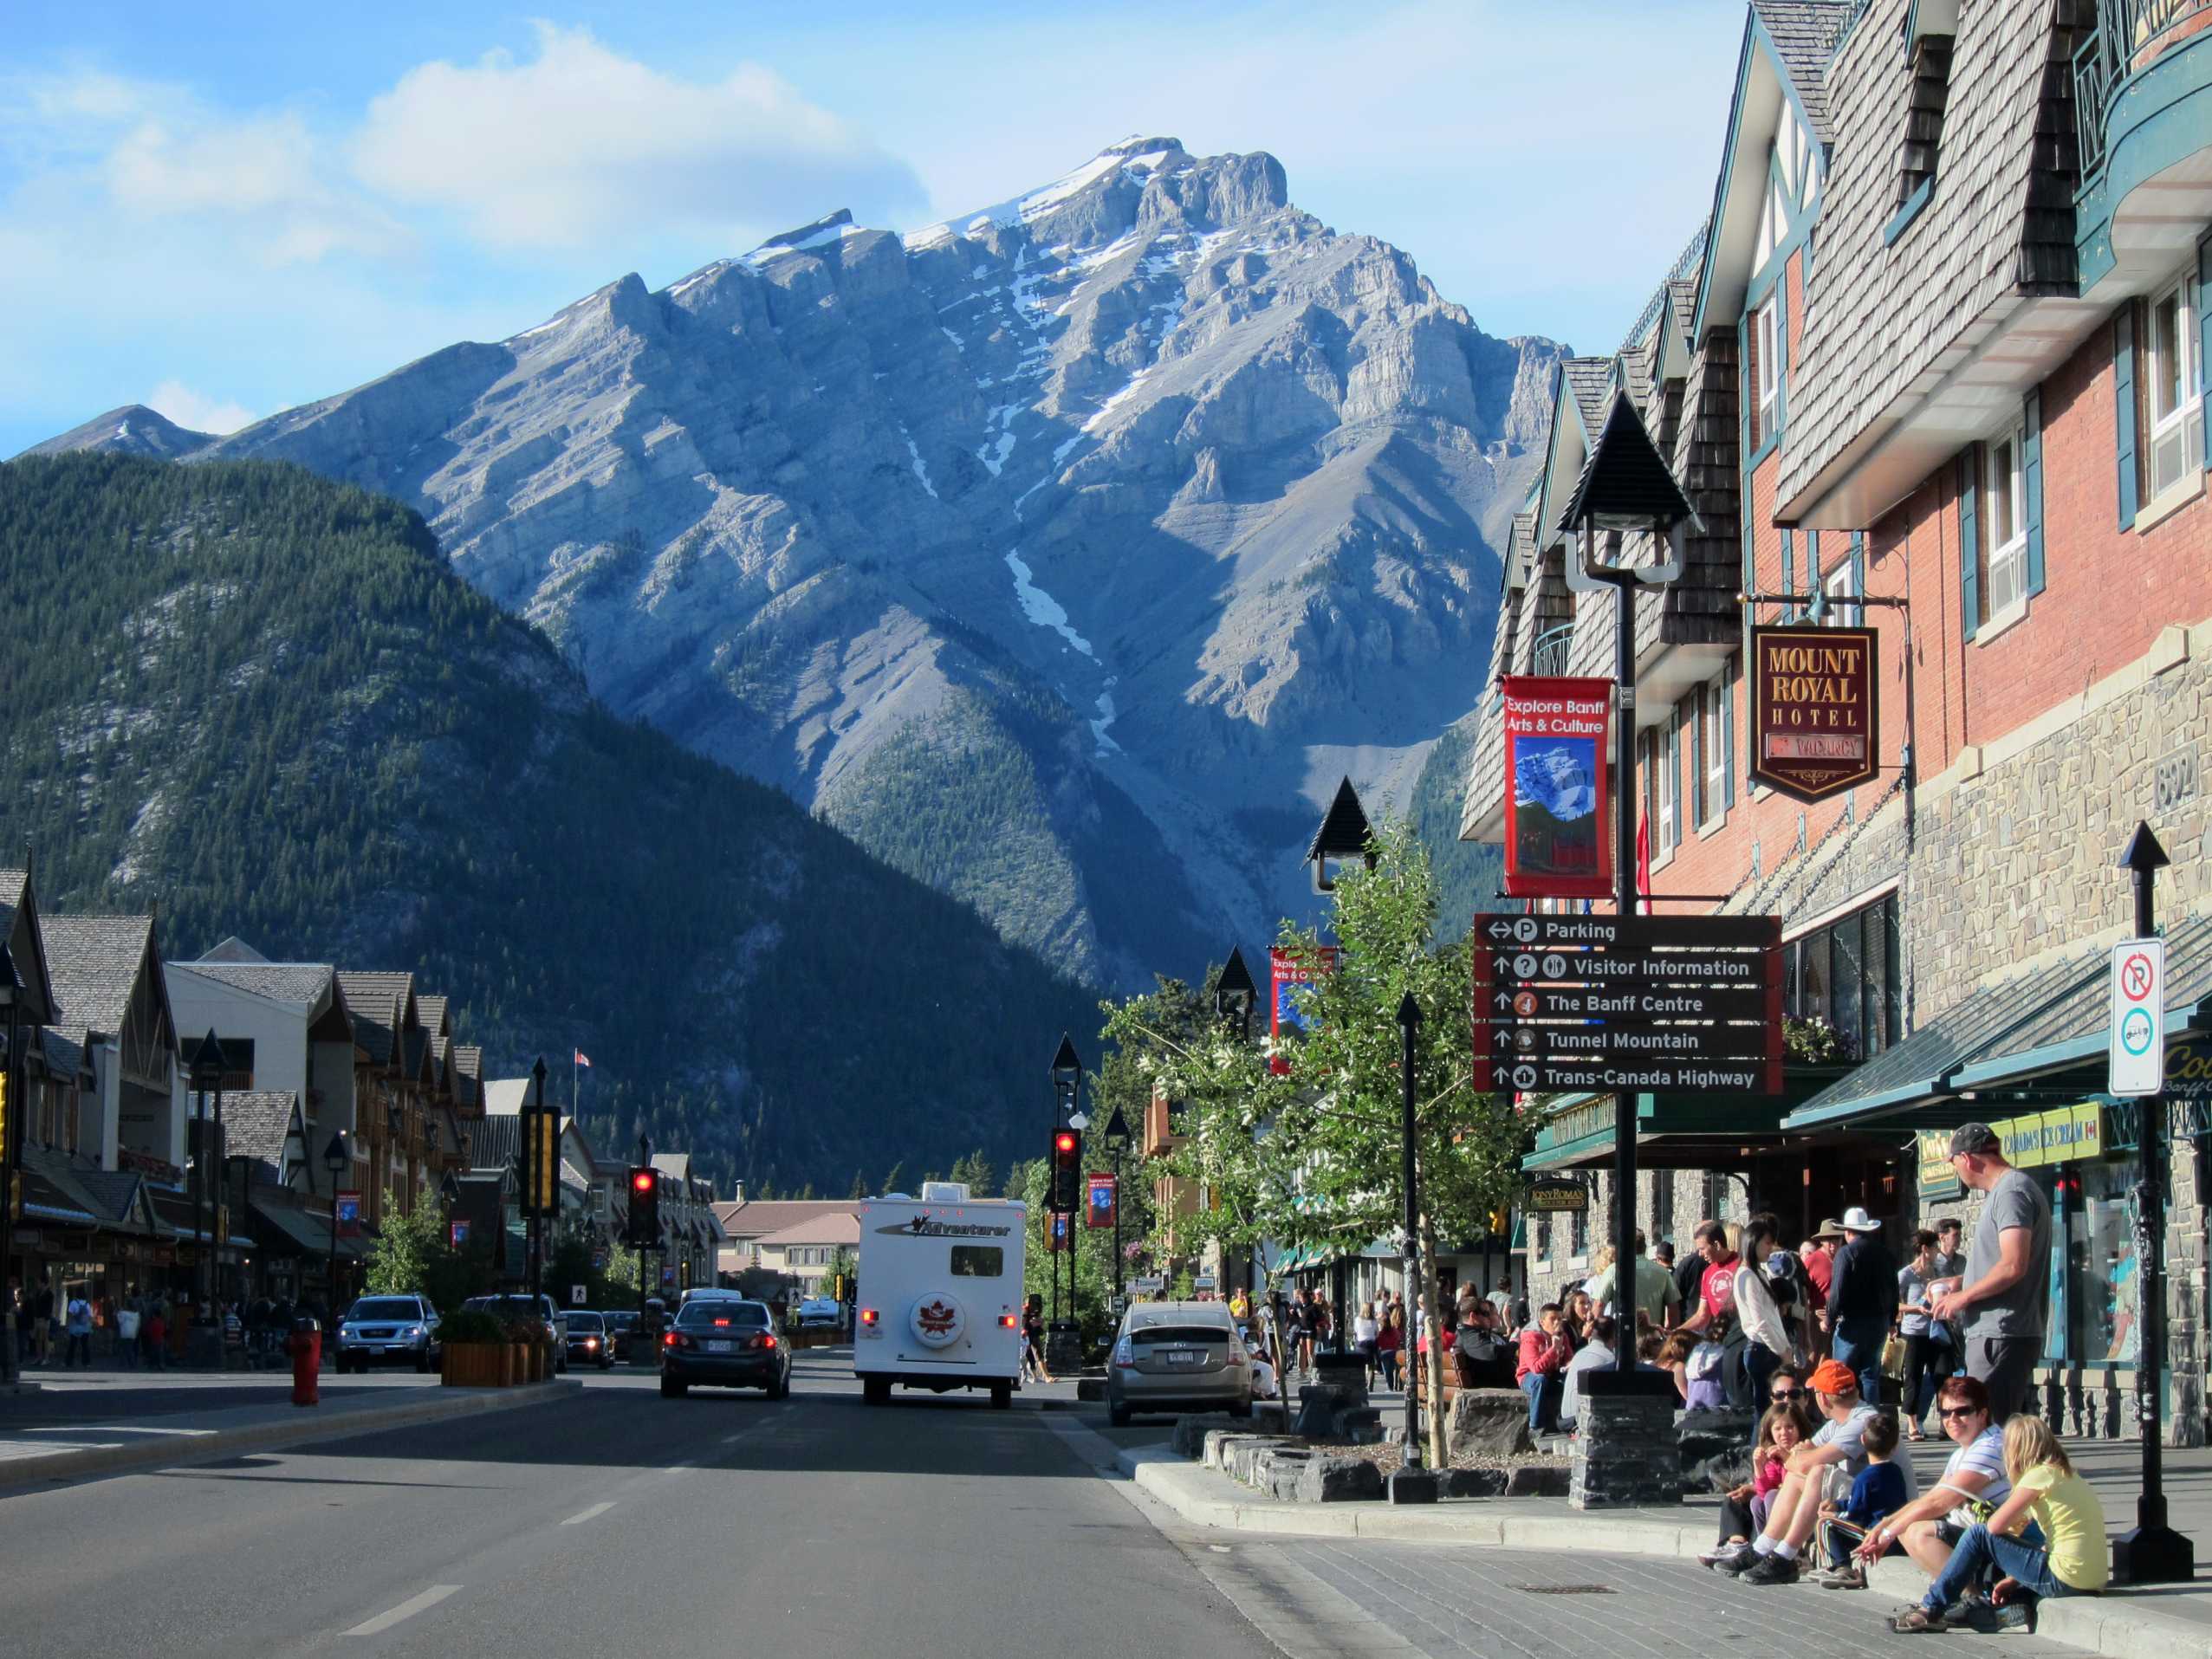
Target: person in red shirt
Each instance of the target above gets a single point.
(1820, 1259)
(1540, 1365)
(1716, 1289)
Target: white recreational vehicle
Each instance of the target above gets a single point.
(940, 1293)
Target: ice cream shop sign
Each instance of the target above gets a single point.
(1814, 725)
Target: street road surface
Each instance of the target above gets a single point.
(620, 1522)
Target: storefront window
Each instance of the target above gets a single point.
(2100, 1277)
(1846, 973)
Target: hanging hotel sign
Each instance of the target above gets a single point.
(1814, 714)
(1556, 797)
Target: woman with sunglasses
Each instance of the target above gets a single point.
(1973, 1484)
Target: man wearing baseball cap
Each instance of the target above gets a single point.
(1772, 1557)
(2003, 1300)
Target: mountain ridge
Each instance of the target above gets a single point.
(1110, 520)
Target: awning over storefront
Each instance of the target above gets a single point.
(2009, 1034)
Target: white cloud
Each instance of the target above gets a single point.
(190, 409)
(580, 144)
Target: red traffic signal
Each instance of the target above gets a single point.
(641, 1181)
(1064, 1142)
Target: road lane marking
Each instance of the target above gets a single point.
(582, 1516)
(406, 1610)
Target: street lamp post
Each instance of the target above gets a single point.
(645, 1162)
(1234, 996)
(337, 1160)
(207, 1069)
(1067, 1093)
(1409, 1024)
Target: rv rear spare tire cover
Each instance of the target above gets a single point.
(937, 1321)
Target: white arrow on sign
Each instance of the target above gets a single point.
(2137, 1053)
(1500, 930)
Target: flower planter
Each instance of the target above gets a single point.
(474, 1365)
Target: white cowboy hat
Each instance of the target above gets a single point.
(1856, 1219)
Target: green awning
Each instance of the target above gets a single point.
(2046, 1021)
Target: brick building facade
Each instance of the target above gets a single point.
(1934, 365)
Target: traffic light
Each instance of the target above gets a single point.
(644, 1228)
(1066, 1170)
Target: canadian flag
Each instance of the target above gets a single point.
(582, 1059)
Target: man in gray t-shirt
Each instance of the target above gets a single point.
(2003, 1301)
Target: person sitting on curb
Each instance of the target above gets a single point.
(2064, 1506)
(1783, 1429)
(1976, 1487)
(1772, 1557)
(1879, 1492)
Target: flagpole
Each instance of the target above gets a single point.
(575, 1073)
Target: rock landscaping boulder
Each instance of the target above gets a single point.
(1490, 1423)
(1338, 1479)
(1317, 1411)
(1537, 1481)
(1280, 1468)
(1190, 1432)
(1471, 1483)
(1715, 1450)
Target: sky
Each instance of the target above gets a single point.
(227, 209)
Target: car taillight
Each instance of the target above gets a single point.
(867, 1316)
(670, 1339)
(768, 1342)
(1007, 1321)
(1124, 1355)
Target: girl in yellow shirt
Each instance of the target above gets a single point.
(2073, 1559)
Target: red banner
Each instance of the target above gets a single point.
(1058, 1234)
(1099, 1211)
(1287, 971)
(1557, 804)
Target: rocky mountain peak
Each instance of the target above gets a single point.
(1059, 551)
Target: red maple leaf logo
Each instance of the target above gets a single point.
(936, 1318)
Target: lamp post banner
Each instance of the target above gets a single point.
(349, 1214)
(1099, 1210)
(1556, 801)
(1287, 971)
(1815, 714)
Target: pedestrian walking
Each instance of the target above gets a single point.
(1651, 1289)
(1365, 1331)
(1862, 1301)
(42, 1322)
(1927, 1352)
(155, 1332)
(126, 1333)
(1389, 1344)
(2003, 1302)
(1950, 1256)
(78, 1315)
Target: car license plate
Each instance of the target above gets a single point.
(1184, 1357)
(718, 1347)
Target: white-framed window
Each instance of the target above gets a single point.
(1840, 595)
(1768, 350)
(2174, 382)
(1666, 833)
(1719, 707)
(2004, 495)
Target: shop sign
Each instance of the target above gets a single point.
(2188, 1069)
(1938, 1178)
(1555, 1197)
(1814, 720)
(1556, 800)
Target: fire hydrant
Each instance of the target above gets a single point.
(305, 1345)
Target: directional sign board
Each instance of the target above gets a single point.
(2138, 1028)
(1634, 1004)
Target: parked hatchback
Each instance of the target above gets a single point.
(1177, 1356)
(387, 1331)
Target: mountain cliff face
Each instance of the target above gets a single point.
(1065, 552)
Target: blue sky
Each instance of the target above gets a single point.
(224, 209)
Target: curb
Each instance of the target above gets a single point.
(278, 1433)
(2118, 1627)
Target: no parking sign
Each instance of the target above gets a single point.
(2137, 1052)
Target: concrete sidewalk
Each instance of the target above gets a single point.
(78, 1450)
(2172, 1622)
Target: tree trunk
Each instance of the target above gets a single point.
(1433, 1363)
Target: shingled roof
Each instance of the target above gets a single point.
(300, 982)
(1587, 380)
(256, 1123)
(1880, 314)
(94, 963)
(377, 1000)
(493, 1142)
(1804, 33)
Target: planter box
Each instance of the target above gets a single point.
(477, 1364)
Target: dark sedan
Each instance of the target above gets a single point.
(724, 1344)
(590, 1343)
